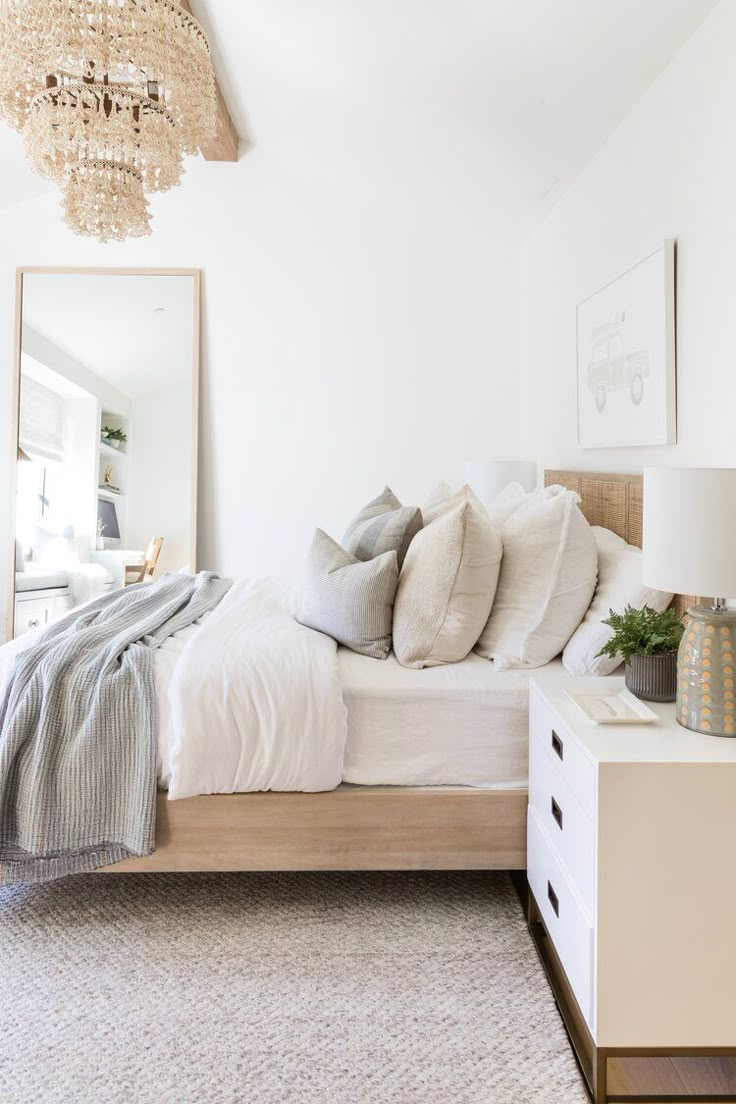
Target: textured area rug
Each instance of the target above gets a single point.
(276, 988)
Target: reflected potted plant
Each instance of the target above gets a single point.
(647, 641)
(100, 539)
(114, 437)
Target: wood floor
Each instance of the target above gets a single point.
(668, 1080)
(679, 1078)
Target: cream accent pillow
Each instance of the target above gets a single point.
(464, 494)
(619, 585)
(503, 505)
(446, 587)
(548, 575)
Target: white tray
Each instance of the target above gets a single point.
(620, 708)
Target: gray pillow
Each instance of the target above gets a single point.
(349, 599)
(382, 526)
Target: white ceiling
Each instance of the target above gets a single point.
(110, 324)
(540, 83)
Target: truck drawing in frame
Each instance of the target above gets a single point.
(612, 367)
(626, 356)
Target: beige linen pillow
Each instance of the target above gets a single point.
(348, 599)
(383, 525)
(548, 575)
(446, 587)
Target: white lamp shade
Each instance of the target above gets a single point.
(689, 540)
(489, 477)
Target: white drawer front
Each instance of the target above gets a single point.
(573, 764)
(564, 918)
(63, 605)
(570, 830)
(30, 615)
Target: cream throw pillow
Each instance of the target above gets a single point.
(442, 505)
(547, 579)
(619, 585)
(446, 587)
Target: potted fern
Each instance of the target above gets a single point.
(647, 641)
(114, 437)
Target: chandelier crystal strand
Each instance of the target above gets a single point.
(109, 95)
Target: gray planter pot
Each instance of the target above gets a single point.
(653, 677)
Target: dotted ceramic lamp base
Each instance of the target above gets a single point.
(706, 672)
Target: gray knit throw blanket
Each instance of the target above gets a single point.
(78, 731)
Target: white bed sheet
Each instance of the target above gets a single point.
(463, 724)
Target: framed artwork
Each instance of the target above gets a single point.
(626, 385)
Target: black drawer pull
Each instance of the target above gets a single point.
(557, 745)
(553, 899)
(557, 813)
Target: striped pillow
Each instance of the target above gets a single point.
(384, 525)
(349, 599)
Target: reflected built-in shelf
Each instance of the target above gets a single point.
(108, 450)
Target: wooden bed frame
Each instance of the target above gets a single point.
(373, 827)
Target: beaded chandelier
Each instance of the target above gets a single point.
(109, 96)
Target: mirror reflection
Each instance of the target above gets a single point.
(106, 441)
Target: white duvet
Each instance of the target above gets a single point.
(233, 728)
(225, 724)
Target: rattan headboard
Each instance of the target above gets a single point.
(614, 501)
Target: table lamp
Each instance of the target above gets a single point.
(489, 477)
(689, 547)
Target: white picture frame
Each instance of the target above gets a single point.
(626, 370)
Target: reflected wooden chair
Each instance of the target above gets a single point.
(139, 573)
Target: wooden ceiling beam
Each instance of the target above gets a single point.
(224, 146)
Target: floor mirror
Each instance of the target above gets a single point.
(106, 447)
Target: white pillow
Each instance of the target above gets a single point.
(547, 579)
(441, 493)
(619, 585)
(444, 498)
(510, 499)
(450, 502)
(446, 587)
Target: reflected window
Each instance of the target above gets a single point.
(40, 483)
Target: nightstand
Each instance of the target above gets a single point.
(631, 864)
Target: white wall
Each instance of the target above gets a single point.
(46, 352)
(669, 171)
(159, 491)
(358, 329)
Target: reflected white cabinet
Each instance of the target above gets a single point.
(630, 865)
(37, 608)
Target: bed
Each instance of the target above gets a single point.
(409, 769)
(387, 827)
